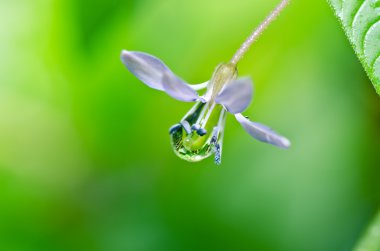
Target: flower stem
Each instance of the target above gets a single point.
(258, 31)
(370, 241)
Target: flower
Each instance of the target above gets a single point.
(200, 132)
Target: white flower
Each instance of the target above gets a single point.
(200, 132)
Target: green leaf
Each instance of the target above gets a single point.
(371, 239)
(361, 22)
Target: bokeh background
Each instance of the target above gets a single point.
(85, 158)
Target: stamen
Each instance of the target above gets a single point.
(192, 110)
(204, 121)
(222, 119)
(218, 154)
(195, 127)
(218, 128)
(186, 126)
(218, 141)
(201, 132)
(175, 128)
(215, 133)
(204, 109)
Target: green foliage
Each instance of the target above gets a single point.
(371, 240)
(360, 20)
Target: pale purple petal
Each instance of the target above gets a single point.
(145, 67)
(178, 89)
(236, 96)
(198, 87)
(262, 132)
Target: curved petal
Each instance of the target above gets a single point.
(198, 87)
(236, 96)
(262, 132)
(178, 89)
(145, 67)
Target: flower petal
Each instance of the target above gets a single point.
(145, 67)
(178, 89)
(236, 96)
(198, 87)
(262, 132)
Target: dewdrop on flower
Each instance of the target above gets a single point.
(200, 132)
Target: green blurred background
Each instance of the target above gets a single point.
(85, 157)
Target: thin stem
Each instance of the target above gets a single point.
(258, 31)
(192, 110)
(204, 121)
(204, 109)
